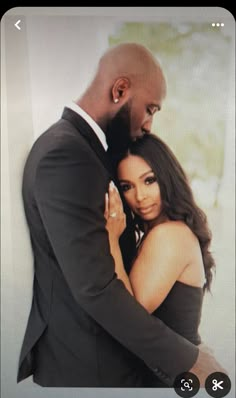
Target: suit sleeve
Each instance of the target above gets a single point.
(69, 193)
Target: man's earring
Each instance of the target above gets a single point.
(116, 100)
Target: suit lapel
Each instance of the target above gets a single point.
(87, 132)
(127, 240)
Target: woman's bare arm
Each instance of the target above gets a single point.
(161, 260)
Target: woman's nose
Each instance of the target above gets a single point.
(140, 194)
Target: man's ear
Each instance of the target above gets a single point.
(120, 89)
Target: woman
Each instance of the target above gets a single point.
(173, 265)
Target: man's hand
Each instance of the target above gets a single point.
(205, 365)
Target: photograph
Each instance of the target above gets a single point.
(117, 202)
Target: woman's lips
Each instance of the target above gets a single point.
(145, 210)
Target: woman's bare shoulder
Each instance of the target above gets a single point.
(171, 226)
(176, 231)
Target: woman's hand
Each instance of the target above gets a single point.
(116, 223)
(114, 213)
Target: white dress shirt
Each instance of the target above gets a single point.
(98, 131)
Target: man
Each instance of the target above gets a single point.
(85, 329)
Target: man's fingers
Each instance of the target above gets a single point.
(206, 363)
(205, 348)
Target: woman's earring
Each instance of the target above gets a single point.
(116, 100)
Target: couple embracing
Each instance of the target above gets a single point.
(121, 249)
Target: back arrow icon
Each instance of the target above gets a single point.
(17, 24)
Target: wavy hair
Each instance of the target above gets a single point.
(177, 197)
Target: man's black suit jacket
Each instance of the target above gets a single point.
(84, 328)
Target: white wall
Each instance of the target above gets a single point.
(63, 54)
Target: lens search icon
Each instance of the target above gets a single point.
(186, 385)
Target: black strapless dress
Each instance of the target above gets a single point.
(181, 311)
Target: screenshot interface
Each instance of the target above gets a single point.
(49, 56)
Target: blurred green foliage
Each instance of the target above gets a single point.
(193, 120)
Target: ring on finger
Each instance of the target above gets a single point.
(113, 214)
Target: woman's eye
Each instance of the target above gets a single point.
(125, 187)
(150, 180)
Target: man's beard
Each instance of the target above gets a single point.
(118, 131)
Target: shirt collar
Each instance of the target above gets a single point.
(98, 131)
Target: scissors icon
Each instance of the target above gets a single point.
(217, 384)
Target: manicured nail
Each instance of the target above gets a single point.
(112, 186)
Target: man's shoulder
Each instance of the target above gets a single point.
(62, 134)
(60, 142)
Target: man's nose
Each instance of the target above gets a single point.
(147, 126)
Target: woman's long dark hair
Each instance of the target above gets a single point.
(177, 198)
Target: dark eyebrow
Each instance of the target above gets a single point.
(143, 175)
(147, 172)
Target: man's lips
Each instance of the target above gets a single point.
(139, 135)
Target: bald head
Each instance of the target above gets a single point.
(130, 60)
(128, 80)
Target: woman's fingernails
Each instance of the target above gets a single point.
(112, 186)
